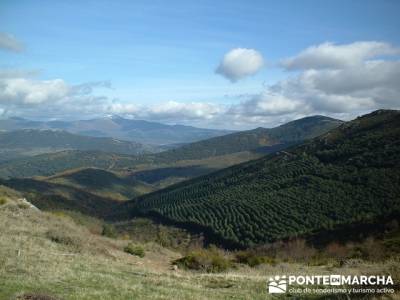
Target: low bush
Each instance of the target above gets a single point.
(109, 231)
(134, 250)
(23, 206)
(359, 252)
(252, 259)
(211, 261)
(62, 237)
(321, 260)
(3, 200)
(392, 244)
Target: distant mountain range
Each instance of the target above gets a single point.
(28, 142)
(350, 174)
(260, 140)
(117, 127)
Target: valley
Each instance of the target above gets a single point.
(212, 217)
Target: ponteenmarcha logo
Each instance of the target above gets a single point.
(277, 285)
(280, 284)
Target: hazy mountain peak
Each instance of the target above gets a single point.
(121, 128)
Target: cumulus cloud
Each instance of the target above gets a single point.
(329, 55)
(332, 80)
(267, 103)
(239, 63)
(10, 43)
(26, 91)
(53, 98)
(363, 77)
(178, 111)
(350, 84)
(168, 111)
(58, 99)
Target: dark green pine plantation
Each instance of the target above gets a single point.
(348, 175)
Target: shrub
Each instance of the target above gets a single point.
(3, 200)
(320, 260)
(204, 260)
(252, 259)
(392, 244)
(61, 237)
(109, 231)
(295, 250)
(359, 252)
(336, 250)
(23, 206)
(134, 250)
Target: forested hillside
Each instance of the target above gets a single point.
(52, 163)
(350, 174)
(269, 139)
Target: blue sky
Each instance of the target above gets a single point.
(168, 51)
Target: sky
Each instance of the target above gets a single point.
(215, 64)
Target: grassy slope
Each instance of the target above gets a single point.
(350, 174)
(95, 267)
(88, 266)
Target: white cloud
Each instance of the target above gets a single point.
(27, 91)
(57, 99)
(329, 55)
(266, 104)
(239, 63)
(168, 111)
(371, 84)
(187, 111)
(122, 109)
(54, 98)
(10, 43)
(354, 83)
(343, 90)
(363, 77)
